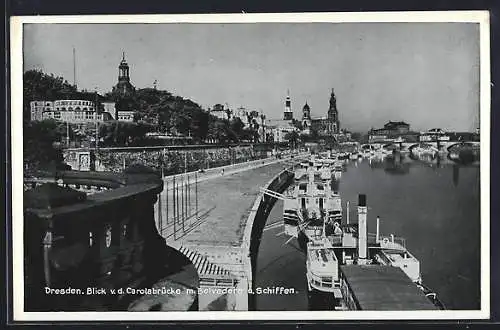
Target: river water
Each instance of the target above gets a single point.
(435, 205)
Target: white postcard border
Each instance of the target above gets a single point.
(16, 52)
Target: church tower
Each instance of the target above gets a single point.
(306, 116)
(123, 70)
(288, 114)
(123, 87)
(333, 115)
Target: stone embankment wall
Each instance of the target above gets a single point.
(171, 161)
(255, 224)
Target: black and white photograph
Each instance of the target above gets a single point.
(251, 166)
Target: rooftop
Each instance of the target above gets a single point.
(384, 288)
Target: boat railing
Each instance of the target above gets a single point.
(323, 281)
(390, 241)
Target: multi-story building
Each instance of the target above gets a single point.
(125, 115)
(323, 126)
(280, 128)
(75, 116)
(38, 107)
(391, 130)
(74, 105)
(220, 112)
(329, 125)
(73, 111)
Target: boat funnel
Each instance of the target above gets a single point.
(377, 237)
(347, 215)
(362, 241)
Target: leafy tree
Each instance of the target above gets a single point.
(117, 133)
(355, 136)
(237, 126)
(40, 139)
(292, 138)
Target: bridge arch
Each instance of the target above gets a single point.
(466, 144)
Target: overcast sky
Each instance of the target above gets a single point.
(426, 74)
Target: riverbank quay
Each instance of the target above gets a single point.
(217, 233)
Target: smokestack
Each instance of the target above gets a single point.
(362, 214)
(378, 230)
(347, 212)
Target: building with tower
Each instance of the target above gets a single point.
(323, 126)
(123, 87)
(279, 128)
(306, 119)
(119, 103)
(333, 123)
(288, 113)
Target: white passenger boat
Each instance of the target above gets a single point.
(356, 268)
(311, 204)
(322, 268)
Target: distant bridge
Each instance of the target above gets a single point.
(441, 145)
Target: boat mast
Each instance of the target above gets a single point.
(74, 67)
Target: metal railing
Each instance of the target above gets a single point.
(323, 281)
(387, 240)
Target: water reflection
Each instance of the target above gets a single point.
(456, 174)
(400, 164)
(395, 164)
(464, 157)
(335, 184)
(437, 160)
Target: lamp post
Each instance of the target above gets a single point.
(67, 133)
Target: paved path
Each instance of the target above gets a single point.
(224, 202)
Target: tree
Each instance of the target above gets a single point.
(39, 144)
(237, 126)
(117, 133)
(356, 136)
(292, 138)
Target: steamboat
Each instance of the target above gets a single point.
(312, 203)
(361, 271)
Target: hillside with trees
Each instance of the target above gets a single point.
(155, 111)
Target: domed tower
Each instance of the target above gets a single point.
(306, 116)
(123, 86)
(123, 70)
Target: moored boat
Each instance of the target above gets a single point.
(362, 258)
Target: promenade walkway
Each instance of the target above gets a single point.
(205, 217)
(224, 199)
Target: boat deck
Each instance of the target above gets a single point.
(322, 257)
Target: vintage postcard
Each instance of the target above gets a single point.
(320, 166)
